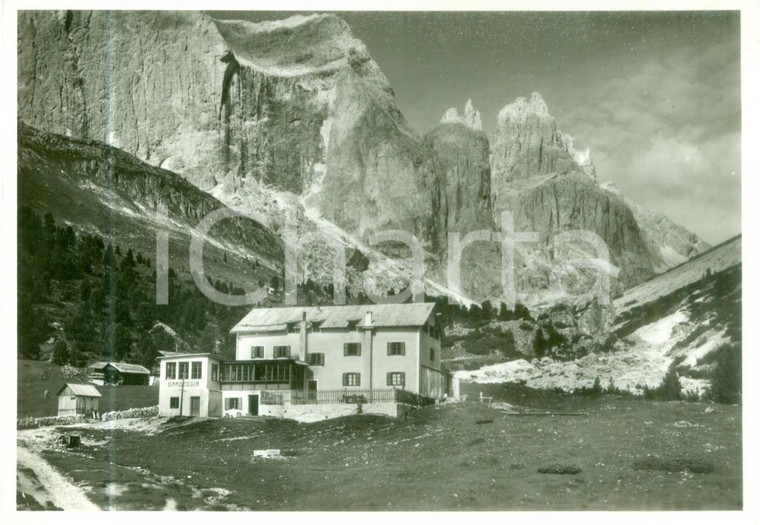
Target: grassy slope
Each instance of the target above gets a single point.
(461, 456)
(53, 178)
(34, 377)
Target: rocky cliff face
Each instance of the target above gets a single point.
(146, 82)
(295, 115)
(527, 143)
(460, 176)
(374, 165)
(673, 243)
(298, 105)
(551, 187)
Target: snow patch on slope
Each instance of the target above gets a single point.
(644, 364)
(661, 331)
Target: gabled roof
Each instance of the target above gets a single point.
(80, 390)
(125, 368)
(383, 315)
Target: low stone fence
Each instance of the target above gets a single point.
(34, 422)
(130, 413)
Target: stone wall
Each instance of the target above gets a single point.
(132, 412)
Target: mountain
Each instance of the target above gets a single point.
(689, 315)
(549, 186)
(718, 259)
(102, 190)
(292, 120)
(672, 242)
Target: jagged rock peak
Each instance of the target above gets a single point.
(581, 157)
(521, 108)
(471, 117)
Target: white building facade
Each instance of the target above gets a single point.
(306, 356)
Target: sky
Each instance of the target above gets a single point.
(654, 95)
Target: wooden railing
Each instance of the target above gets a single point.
(352, 396)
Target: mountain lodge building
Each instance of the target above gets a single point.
(300, 361)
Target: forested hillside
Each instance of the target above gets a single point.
(81, 298)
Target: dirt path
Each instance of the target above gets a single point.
(52, 486)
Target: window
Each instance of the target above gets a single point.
(396, 378)
(257, 352)
(316, 326)
(431, 330)
(432, 355)
(353, 325)
(214, 372)
(352, 349)
(282, 351)
(171, 370)
(196, 370)
(396, 348)
(351, 379)
(293, 328)
(233, 403)
(183, 370)
(317, 359)
(173, 402)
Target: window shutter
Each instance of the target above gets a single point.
(403, 348)
(390, 379)
(345, 352)
(345, 379)
(358, 380)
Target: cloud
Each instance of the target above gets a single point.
(668, 135)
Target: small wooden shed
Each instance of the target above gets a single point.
(76, 399)
(119, 373)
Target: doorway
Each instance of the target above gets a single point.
(311, 389)
(195, 406)
(253, 405)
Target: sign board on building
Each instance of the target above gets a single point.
(178, 384)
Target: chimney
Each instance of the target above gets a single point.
(302, 347)
(368, 319)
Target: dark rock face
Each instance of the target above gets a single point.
(460, 182)
(574, 202)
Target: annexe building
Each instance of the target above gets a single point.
(107, 372)
(296, 360)
(75, 399)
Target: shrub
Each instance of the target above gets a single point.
(560, 469)
(594, 390)
(61, 353)
(540, 343)
(726, 380)
(669, 389)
